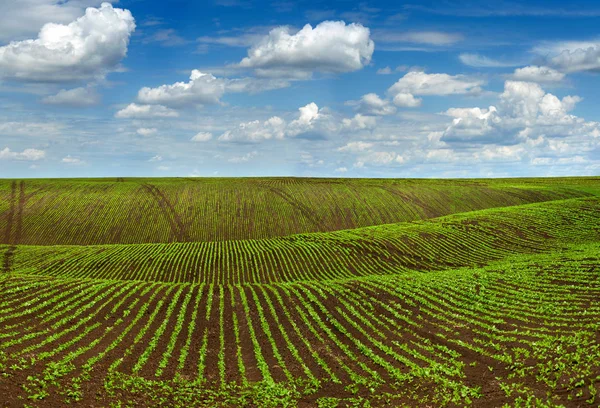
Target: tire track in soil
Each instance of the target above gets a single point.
(11, 212)
(304, 210)
(9, 254)
(168, 209)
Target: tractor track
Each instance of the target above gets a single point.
(304, 210)
(20, 204)
(168, 209)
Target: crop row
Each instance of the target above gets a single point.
(467, 239)
(529, 323)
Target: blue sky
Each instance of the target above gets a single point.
(299, 88)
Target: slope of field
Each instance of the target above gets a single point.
(465, 239)
(524, 329)
(497, 306)
(100, 211)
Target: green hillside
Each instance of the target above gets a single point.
(465, 239)
(300, 292)
(104, 211)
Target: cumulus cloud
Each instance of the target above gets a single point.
(275, 127)
(204, 89)
(23, 18)
(256, 131)
(571, 56)
(372, 104)
(535, 73)
(419, 83)
(136, 111)
(76, 97)
(406, 100)
(88, 47)
(309, 114)
(202, 137)
(331, 46)
(469, 123)
(25, 155)
(526, 103)
(525, 112)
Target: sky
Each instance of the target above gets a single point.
(299, 88)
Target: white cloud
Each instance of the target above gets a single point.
(372, 104)
(88, 47)
(469, 123)
(341, 170)
(331, 46)
(25, 155)
(525, 113)
(163, 168)
(571, 56)
(72, 160)
(146, 131)
(407, 100)
(441, 156)
(501, 153)
(275, 127)
(526, 103)
(136, 111)
(308, 116)
(23, 18)
(481, 61)
(202, 137)
(256, 131)
(420, 83)
(360, 122)
(535, 73)
(204, 89)
(76, 97)
(378, 159)
(156, 158)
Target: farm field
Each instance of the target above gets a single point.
(300, 292)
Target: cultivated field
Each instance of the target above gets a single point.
(300, 292)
